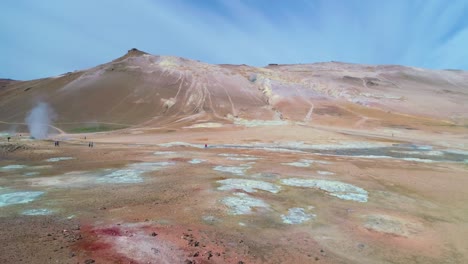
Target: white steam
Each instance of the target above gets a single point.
(39, 119)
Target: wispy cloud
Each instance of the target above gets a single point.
(43, 38)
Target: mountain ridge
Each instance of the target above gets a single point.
(153, 90)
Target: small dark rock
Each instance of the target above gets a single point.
(89, 261)
(49, 234)
(196, 254)
(188, 261)
(240, 262)
(72, 255)
(154, 234)
(317, 258)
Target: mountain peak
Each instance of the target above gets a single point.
(135, 52)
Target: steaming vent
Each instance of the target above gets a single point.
(39, 120)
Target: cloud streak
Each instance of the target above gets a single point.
(45, 38)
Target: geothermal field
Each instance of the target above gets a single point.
(199, 163)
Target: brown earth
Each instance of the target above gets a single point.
(399, 133)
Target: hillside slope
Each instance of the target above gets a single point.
(147, 90)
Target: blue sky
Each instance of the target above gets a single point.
(50, 37)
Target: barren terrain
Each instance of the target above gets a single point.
(318, 163)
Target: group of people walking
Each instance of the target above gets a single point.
(90, 144)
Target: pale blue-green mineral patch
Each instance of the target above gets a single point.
(241, 157)
(32, 173)
(57, 159)
(18, 197)
(13, 167)
(164, 153)
(150, 166)
(122, 176)
(196, 161)
(236, 170)
(132, 173)
(301, 163)
(242, 203)
(296, 215)
(42, 211)
(248, 185)
(325, 173)
(338, 189)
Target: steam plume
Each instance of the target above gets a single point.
(39, 119)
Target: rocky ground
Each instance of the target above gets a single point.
(267, 194)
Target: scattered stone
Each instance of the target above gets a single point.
(154, 234)
(89, 261)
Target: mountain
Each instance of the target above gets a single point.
(140, 89)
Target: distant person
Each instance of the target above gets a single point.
(58, 143)
(9, 139)
(206, 145)
(92, 144)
